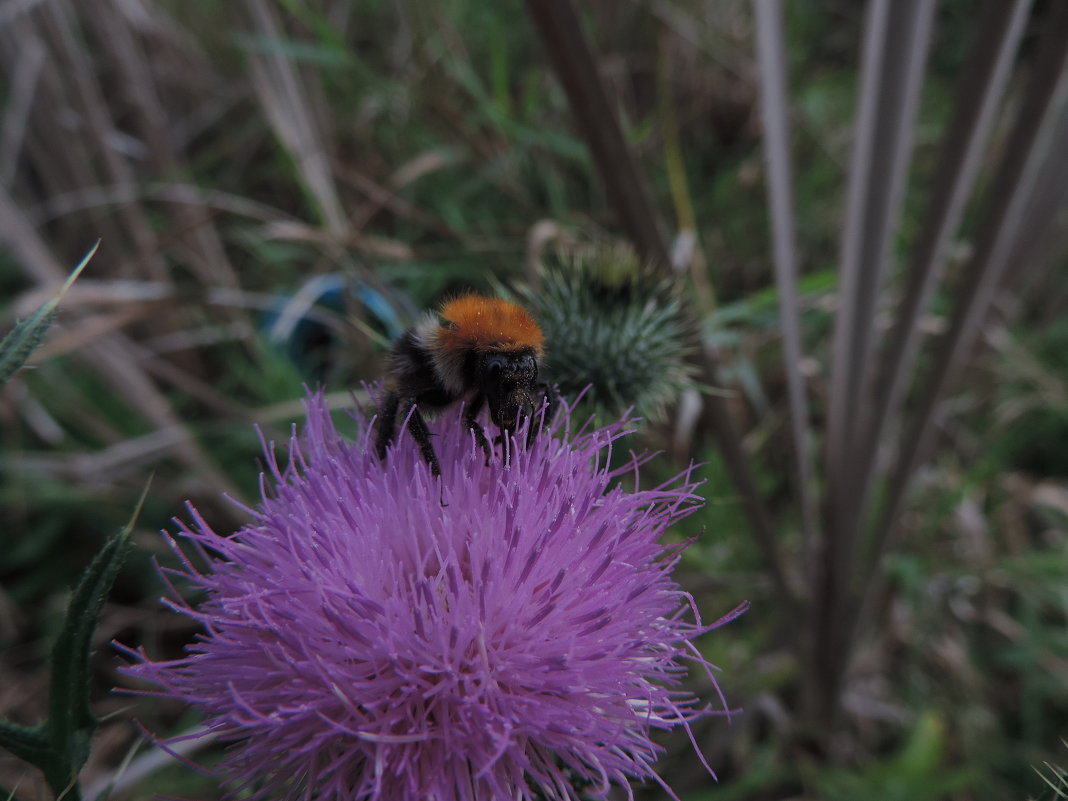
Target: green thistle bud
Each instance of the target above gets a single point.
(610, 324)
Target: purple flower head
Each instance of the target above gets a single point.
(507, 631)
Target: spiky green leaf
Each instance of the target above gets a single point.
(71, 723)
(68, 705)
(23, 339)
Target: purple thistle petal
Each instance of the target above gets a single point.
(502, 632)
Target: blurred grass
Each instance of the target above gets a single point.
(409, 148)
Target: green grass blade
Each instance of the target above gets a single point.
(23, 339)
(287, 102)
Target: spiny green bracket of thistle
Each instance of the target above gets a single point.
(22, 340)
(611, 325)
(1055, 777)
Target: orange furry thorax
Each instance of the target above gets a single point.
(480, 323)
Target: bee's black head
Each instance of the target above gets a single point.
(508, 379)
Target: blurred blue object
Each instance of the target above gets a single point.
(302, 322)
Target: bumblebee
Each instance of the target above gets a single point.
(477, 350)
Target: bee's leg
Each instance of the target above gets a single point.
(386, 424)
(543, 412)
(421, 434)
(471, 421)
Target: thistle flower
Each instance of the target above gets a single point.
(613, 326)
(508, 631)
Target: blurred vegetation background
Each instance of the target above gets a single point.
(280, 187)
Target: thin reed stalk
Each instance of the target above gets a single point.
(771, 51)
